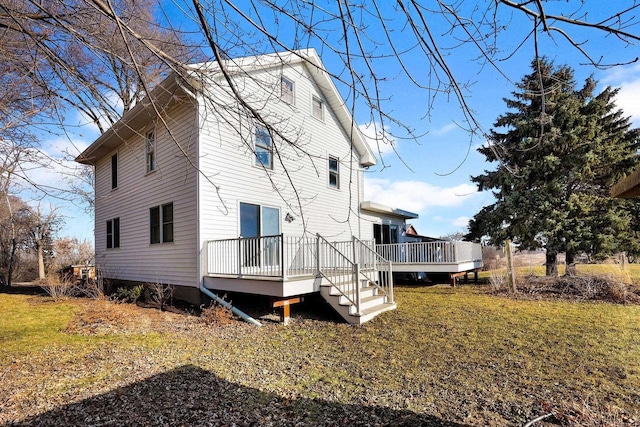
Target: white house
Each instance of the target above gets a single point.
(261, 195)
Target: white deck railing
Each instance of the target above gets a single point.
(374, 267)
(266, 256)
(442, 252)
(279, 256)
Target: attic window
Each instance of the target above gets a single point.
(317, 108)
(286, 90)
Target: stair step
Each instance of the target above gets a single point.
(377, 309)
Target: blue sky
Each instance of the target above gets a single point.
(428, 175)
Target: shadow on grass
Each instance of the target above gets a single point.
(191, 396)
(25, 288)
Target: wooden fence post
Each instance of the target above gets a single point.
(511, 271)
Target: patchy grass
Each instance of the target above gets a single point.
(446, 356)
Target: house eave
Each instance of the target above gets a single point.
(387, 210)
(627, 187)
(172, 90)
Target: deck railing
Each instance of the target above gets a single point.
(246, 256)
(286, 256)
(374, 267)
(340, 271)
(442, 252)
(267, 256)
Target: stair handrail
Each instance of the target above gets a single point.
(342, 273)
(380, 265)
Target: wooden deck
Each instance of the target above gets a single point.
(433, 257)
(292, 264)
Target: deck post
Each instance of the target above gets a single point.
(390, 292)
(354, 250)
(318, 253)
(356, 268)
(240, 256)
(282, 263)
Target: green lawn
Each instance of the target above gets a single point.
(445, 356)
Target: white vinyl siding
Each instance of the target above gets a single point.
(136, 259)
(223, 156)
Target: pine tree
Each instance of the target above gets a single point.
(561, 150)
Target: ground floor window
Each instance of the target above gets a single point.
(385, 233)
(260, 227)
(113, 233)
(161, 224)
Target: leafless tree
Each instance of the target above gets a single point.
(71, 251)
(42, 228)
(96, 50)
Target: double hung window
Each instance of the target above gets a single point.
(113, 233)
(150, 150)
(161, 224)
(263, 148)
(334, 172)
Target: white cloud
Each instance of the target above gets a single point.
(444, 129)
(461, 221)
(416, 196)
(378, 138)
(628, 99)
(51, 168)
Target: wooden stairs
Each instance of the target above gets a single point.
(372, 303)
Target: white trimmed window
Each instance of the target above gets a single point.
(161, 224)
(334, 172)
(286, 90)
(317, 108)
(113, 233)
(114, 171)
(150, 150)
(263, 148)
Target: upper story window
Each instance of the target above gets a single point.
(114, 171)
(113, 233)
(317, 108)
(263, 148)
(286, 90)
(161, 224)
(150, 150)
(334, 172)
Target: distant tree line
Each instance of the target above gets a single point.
(29, 248)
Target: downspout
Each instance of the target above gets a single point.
(226, 305)
(201, 262)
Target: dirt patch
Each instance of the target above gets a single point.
(104, 317)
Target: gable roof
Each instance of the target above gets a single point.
(177, 89)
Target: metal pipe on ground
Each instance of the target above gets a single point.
(225, 304)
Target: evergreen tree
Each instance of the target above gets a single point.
(561, 150)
